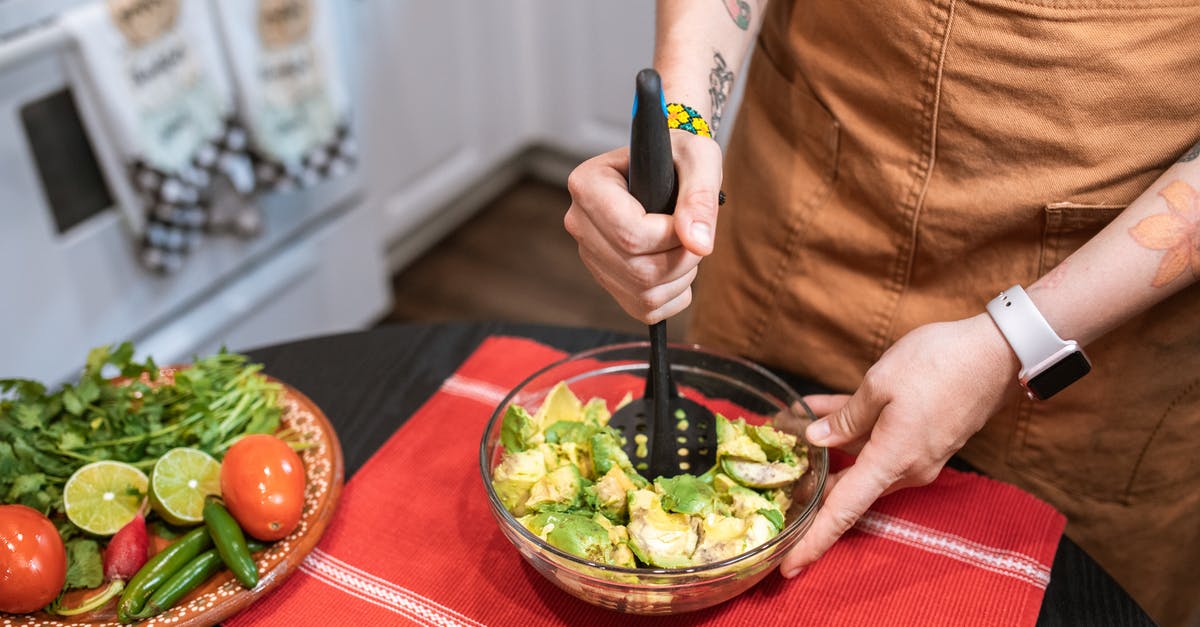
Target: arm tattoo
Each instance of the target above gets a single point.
(1177, 232)
(1191, 154)
(720, 84)
(739, 10)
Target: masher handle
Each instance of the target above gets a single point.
(651, 167)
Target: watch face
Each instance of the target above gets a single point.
(1064, 372)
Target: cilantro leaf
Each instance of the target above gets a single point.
(71, 402)
(84, 566)
(22, 387)
(70, 440)
(28, 417)
(26, 485)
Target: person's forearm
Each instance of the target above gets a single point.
(1150, 251)
(699, 48)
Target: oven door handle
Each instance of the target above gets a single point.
(35, 41)
(179, 339)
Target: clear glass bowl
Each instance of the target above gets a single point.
(728, 384)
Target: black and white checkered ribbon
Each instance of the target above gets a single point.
(331, 159)
(177, 203)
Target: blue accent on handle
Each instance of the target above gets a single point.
(662, 101)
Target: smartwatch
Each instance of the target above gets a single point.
(1048, 363)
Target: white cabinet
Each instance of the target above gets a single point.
(453, 90)
(441, 99)
(588, 56)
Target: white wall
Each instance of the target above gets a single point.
(457, 90)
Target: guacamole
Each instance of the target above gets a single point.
(564, 475)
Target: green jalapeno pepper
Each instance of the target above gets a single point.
(185, 580)
(230, 542)
(158, 569)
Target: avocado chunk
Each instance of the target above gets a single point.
(611, 491)
(578, 455)
(607, 453)
(560, 404)
(744, 501)
(618, 535)
(776, 444)
(756, 474)
(574, 533)
(570, 431)
(560, 490)
(659, 538)
(732, 441)
(686, 494)
(515, 476)
(596, 411)
(518, 430)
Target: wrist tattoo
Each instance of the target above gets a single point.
(1191, 154)
(1177, 232)
(720, 84)
(739, 10)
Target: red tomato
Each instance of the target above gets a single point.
(262, 483)
(33, 560)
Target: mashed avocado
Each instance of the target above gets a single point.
(565, 477)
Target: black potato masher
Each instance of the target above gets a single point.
(665, 434)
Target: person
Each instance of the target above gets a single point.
(895, 166)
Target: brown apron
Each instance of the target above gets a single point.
(901, 162)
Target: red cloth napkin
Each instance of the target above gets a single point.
(413, 542)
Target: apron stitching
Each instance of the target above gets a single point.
(788, 252)
(1049, 239)
(760, 325)
(1021, 431)
(1191, 387)
(1092, 5)
(922, 170)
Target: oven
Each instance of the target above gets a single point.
(72, 276)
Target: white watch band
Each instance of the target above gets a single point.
(1023, 326)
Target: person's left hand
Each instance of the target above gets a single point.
(916, 407)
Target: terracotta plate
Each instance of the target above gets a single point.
(221, 597)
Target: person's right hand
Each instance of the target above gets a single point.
(646, 261)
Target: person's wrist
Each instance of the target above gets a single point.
(686, 118)
(994, 346)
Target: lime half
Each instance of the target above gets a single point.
(103, 496)
(181, 479)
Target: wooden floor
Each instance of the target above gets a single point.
(513, 261)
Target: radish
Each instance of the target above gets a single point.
(126, 553)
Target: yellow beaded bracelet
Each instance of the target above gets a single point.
(685, 118)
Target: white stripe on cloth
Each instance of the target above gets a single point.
(1000, 561)
(474, 389)
(362, 584)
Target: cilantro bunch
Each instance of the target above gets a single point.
(45, 437)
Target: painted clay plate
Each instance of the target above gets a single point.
(221, 597)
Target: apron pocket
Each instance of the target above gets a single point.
(1066, 441)
(1069, 226)
(1126, 430)
(808, 150)
(780, 168)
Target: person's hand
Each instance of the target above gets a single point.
(915, 408)
(646, 261)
